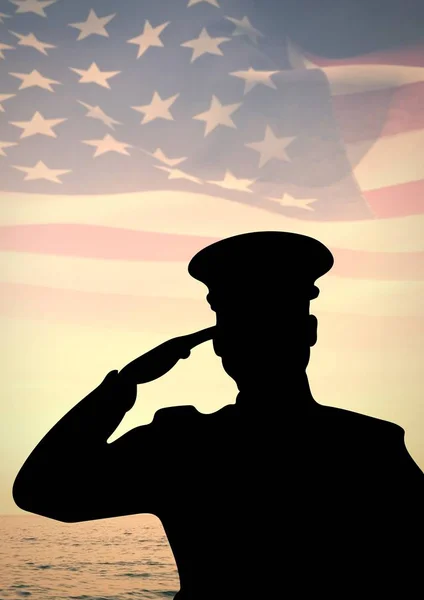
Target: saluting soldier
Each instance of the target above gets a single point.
(274, 496)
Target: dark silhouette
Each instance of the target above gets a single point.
(275, 496)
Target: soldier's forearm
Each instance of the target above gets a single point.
(93, 420)
(82, 432)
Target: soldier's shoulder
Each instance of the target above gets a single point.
(364, 423)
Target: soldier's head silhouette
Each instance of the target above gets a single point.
(260, 286)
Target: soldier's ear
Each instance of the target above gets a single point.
(313, 330)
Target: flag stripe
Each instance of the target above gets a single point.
(91, 241)
(174, 316)
(359, 79)
(171, 279)
(412, 56)
(206, 216)
(380, 113)
(389, 161)
(397, 200)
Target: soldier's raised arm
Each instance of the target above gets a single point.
(74, 475)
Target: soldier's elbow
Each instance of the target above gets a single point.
(36, 499)
(43, 510)
(21, 493)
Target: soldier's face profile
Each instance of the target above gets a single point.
(265, 344)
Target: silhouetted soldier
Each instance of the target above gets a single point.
(273, 496)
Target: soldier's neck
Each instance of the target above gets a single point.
(292, 389)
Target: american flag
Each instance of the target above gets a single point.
(134, 133)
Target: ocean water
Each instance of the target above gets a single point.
(125, 558)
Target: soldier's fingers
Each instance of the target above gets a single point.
(198, 337)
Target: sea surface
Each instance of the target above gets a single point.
(124, 558)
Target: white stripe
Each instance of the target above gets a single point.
(172, 280)
(358, 79)
(390, 160)
(199, 214)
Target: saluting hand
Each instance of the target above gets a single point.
(155, 363)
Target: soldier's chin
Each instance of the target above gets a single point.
(235, 369)
(248, 371)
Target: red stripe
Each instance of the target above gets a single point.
(91, 241)
(398, 201)
(411, 56)
(374, 114)
(114, 311)
(177, 316)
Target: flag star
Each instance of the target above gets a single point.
(35, 79)
(95, 112)
(253, 77)
(271, 147)
(193, 2)
(218, 115)
(4, 47)
(34, 6)
(94, 75)
(38, 124)
(287, 200)
(3, 16)
(32, 41)
(177, 174)
(157, 109)
(205, 44)
(6, 145)
(41, 171)
(171, 162)
(244, 27)
(4, 97)
(149, 37)
(230, 182)
(108, 144)
(93, 25)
